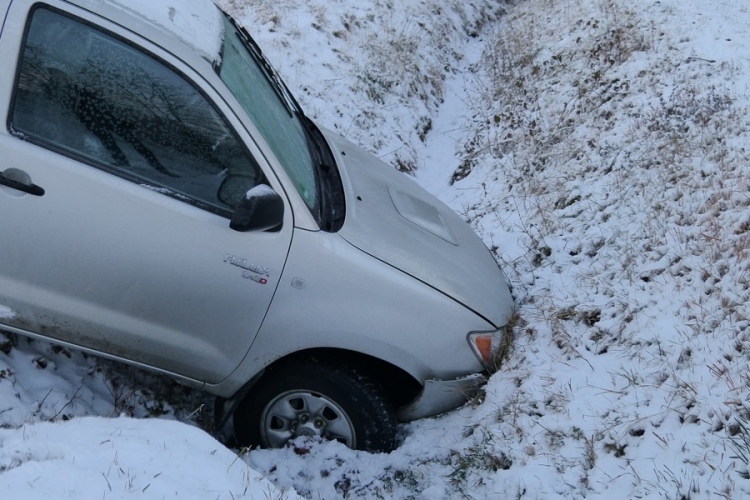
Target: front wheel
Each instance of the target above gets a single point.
(312, 398)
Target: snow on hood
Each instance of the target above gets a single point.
(198, 23)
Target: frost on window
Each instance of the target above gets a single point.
(94, 97)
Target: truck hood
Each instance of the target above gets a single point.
(391, 218)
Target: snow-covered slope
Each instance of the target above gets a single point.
(371, 70)
(93, 458)
(599, 147)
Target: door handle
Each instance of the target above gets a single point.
(20, 180)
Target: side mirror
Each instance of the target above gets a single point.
(261, 209)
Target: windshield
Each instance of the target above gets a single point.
(272, 112)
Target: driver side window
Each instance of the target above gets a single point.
(89, 95)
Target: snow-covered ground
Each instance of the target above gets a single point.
(599, 148)
(94, 458)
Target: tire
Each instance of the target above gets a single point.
(313, 398)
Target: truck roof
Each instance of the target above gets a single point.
(196, 23)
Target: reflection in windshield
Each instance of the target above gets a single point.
(281, 128)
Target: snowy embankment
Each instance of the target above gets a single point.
(602, 153)
(599, 148)
(373, 70)
(96, 458)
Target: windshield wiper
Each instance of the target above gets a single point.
(286, 97)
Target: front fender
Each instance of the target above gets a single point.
(332, 295)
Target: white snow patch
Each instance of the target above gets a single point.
(94, 458)
(260, 191)
(6, 312)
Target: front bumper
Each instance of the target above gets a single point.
(439, 396)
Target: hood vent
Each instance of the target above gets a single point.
(422, 214)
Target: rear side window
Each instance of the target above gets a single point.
(90, 95)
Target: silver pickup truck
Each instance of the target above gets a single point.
(165, 202)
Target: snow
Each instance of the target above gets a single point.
(599, 148)
(94, 458)
(198, 23)
(6, 312)
(260, 191)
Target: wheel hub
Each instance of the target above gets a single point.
(305, 426)
(301, 413)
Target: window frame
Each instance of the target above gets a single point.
(193, 82)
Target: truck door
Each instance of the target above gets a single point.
(114, 206)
